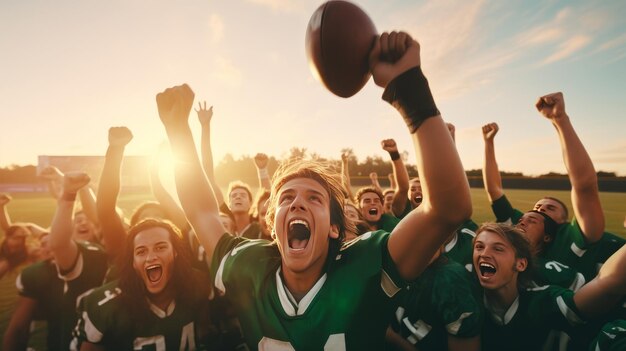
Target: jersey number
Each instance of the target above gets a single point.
(157, 342)
(335, 342)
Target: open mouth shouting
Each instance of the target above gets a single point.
(418, 199)
(486, 270)
(154, 273)
(373, 211)
(298, 234)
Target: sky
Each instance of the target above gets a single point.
(72, 69)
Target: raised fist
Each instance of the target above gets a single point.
(489, 131)
(389, 145)
(374, 177)
(260, 160)
(174, 105)
(73, 181)
(552, 106)
(119, 136)
(344, 157)
(204, 115)
(51, 173)
(4, 199)
(393, 54)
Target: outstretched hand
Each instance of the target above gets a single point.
(490, 130)
(552, 106)
(389, 145)
(204, 114)
(74, 181)
(174, 105)
(393, 54)
(119, 136)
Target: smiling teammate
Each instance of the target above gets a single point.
(157, 302)
(520, 316)
(301, 292)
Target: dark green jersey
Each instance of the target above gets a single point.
(569, 246)
(439, 303)
(387, 222)
(460, 248)
(528, 321)
(349, 308)
(550, 272)
(612, 337)
(107, 322)
(58, 295)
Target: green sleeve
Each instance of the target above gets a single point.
(504, 211)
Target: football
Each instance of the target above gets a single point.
(338, 40)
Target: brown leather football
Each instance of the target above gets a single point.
(338, 40)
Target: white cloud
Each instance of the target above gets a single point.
(613, 43)
(567, 48)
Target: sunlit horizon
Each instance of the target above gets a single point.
(72, 70)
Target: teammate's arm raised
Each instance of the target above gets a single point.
(400, 174)
(582, 174)
(446, 191)
(204, 116)
(194, 191)
(491, 173)
(113, 232)
(63, 247)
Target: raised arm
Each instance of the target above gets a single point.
(400, 174)
(5, 219)
(88, 204)
(582, 174)
(602, 294)
(447, 200)
(174, 212)
(54, 180)
(374, 180)
(204, 116)
(345, 174)
(194, 191)
(260, 162)
(63, 248)
(113, 232)
(491, 174)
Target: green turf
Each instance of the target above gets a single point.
(40, 208)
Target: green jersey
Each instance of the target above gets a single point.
(550, 272)
(612, 337)
(569, 246)
(439, 303)
(58, 295)
(349, 308)
(528, 321)
(387, 222)
(460, 248)
(107, 322)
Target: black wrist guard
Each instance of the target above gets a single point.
(395, 155)
(410, 94)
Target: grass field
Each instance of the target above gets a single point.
(40, 208)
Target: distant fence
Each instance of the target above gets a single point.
(605, 184)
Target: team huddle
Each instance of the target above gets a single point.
(316, 268)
